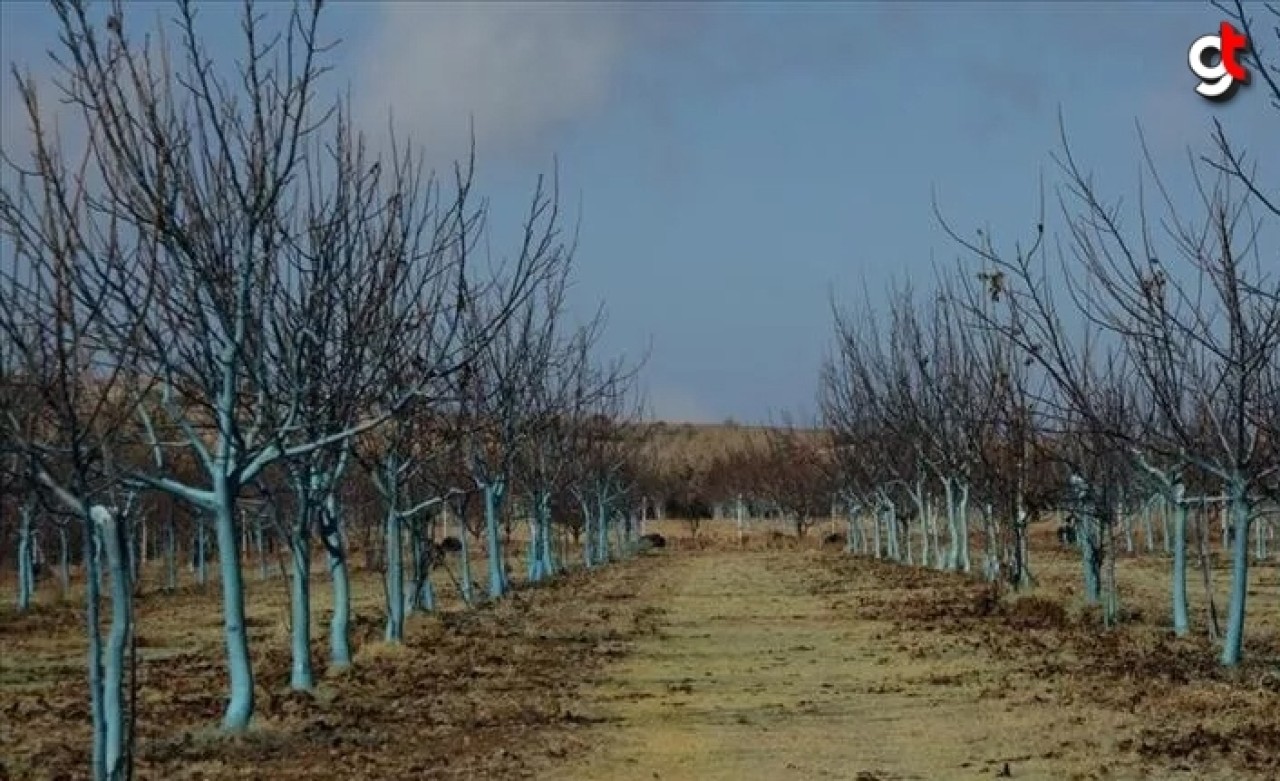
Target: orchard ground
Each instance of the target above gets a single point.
(710, 660)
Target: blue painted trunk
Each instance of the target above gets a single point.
(1240, 510)
(1181, 621)
(92, 609)
(116, 541)
(1022, 547)
(953, 526)
(588, 537)
(962, 526)
(493, 492)
(602, 528)
(239, 667)
(26, 567)
(922, 512)
(906, 541)
(935, 536)
(533, 554)
(340, 581)
(300, 674)
(990, 542)
(878, 519)
(891, 521)
(394, 579)
(340, 621)
(547, 552)
(1089, 557)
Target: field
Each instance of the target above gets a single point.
(707, 660)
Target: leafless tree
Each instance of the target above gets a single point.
(69, 391)
(1192, 308)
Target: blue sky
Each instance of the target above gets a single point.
(737, 163)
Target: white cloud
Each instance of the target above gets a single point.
(526, 71)
(519, 70)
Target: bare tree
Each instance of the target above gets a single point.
(556, 450)
(210, 169)
(68, 388)
(516, 326)
(1196, 315)
(365, 320)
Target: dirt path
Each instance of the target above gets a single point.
(754, 676)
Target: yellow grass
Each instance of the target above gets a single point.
(767, 659)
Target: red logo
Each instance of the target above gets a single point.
(1215, 59)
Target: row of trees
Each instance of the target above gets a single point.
(1131, 359)
(223, 302)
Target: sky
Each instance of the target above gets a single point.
(736, 166)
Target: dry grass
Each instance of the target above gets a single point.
(482, 694)
(760, 658)
(696, 444)
(1133, 701)
(811, 664)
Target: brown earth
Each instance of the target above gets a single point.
(483, 694)
(808, 665)
(704, 661)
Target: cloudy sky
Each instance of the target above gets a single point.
(735, 165)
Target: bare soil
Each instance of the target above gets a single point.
(716, 659)
(803, 664)
(486, 694)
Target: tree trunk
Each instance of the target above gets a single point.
(239, 666)
(301, 677)
(588, 545)
(340, 577)
(1181, 619)
(962, 527)
(466, 591)
(602, 527)
(877, 518)
(1087, 536)
(1239, 510)
(492, 493)
(395, 578)
(116, 540)
(92, 611)
(26, 567)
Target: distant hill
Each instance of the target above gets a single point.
(672, 444)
